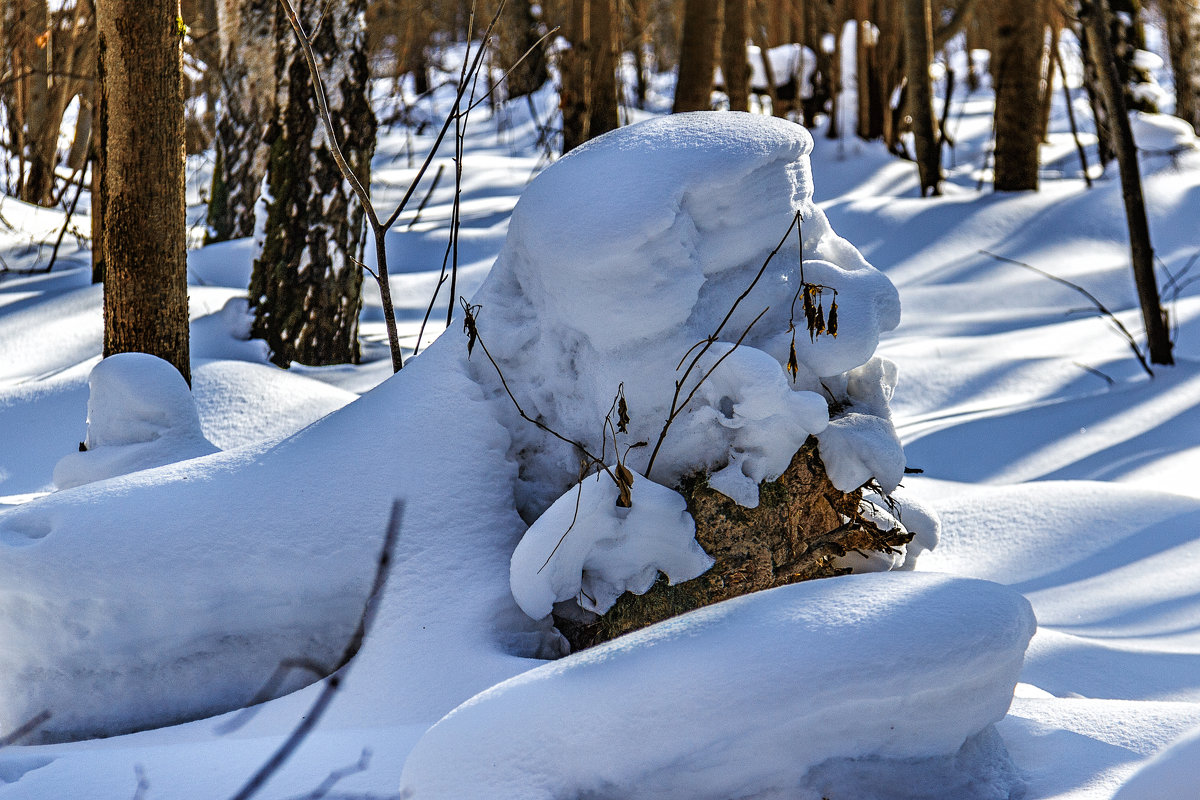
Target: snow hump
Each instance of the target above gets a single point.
(624, 254)
(691, 708)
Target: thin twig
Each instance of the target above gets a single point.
(333, 778)
(24, 730)
(472, 327)
(66, 224)
(333, 682)
(428, 194)
(708, 342)
(1100, 307)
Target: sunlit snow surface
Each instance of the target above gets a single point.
(998, 390)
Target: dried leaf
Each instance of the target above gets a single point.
(820, 323)
(831, 324)
(624, 486)
(469, 326)
(622, 415)
(793, 365)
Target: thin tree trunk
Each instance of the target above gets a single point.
(603, 68)
(1016, 74)
(734, 66)
(701, 20)
(1183, 33)
(574, 94)
(518, 33)
(140, 68)
(917, 56)
(1094, 16)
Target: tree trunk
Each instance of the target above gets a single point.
(574, 94)
(603, 68)
(800, 529)
(518, 33)
(734, 66)
(1016, 74)
(97, 210)
(701, 20)
(917, 57)
(50, 48)
(1183, 32)
(306, 286)
(863, 43)
(249, 34)
(140, 68)
(1093, 16)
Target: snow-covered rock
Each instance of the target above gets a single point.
(588, 549)
(866, 667)
(140, 415)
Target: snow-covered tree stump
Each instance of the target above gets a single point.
(802, 529)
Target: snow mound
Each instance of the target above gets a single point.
(1175, 772)
(627, 253)
(243, 403)
(587, 548)
(140, 415)
(742, 698)
(764, 421)
(1161, 133)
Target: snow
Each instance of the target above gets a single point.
(624, 276)
(934, 657)
(1171, 773)
(1058, 470)
(140, 415)
(1159, 133)
(587, 548)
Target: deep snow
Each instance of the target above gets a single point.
(1056, 466)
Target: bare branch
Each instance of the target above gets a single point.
(1100, 307)
(333, 682)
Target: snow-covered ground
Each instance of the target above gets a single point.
(1064, 477)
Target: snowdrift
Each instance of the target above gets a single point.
(167, 594)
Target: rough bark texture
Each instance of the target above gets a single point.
(1183, 32)
(734, 66)
(1016, 74)
(249, 33)
(306, 286)
(141, 133)
(798, 528)
(918, 56)
(697, 46)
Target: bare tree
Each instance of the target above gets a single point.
(248, 46)
(734, 66)
(1183, 33)
(589, 85)
(306, 285)
(1094, 17)
(1016, 74)
(697, 53)
(140, 68)
(918, 49)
